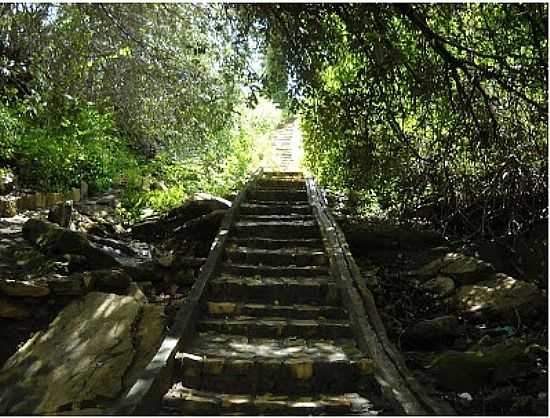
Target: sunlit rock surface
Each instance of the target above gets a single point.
(93, 349)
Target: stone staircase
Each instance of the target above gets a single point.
(287, 147)
(273, 337)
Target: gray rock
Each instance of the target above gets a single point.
(439, 286)
(91, 352)
(462, 268)
(107, 280)
(75, 285)
(55, 240)
(34, 288)
(431, 333)
(498, 297)
(200, 205)
(61, 213)
(8, 206)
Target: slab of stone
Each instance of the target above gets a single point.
(501, 296)
(56, 240)
(462, 268)
(75, 285)
(87, 354)
(34, 288)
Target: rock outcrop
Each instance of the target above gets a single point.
(56, 240)
(501, 296)
(93, 350)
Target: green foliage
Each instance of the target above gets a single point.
(441, 106)
(51, 157)
(9, 133)
(167, 180)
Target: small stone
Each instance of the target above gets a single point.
(439, 287)
(166, 260)
(221, 308)
(213, 365)
(365, 366)
(301, 369)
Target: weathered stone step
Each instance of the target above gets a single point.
(276, 217)
(275, 183)
(285, 174)
(184, 401)
(290, 256)
(276, 327)
(253, 270)
(296, 311)
(283, 290)
(239, 364)
(276, 195)
(265, 208)
(276, 243)
(277, 229)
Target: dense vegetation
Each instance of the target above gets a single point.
(145, 94)
(438, 111)
(433, 110)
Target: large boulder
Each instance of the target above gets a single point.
(203, 228)
(56, 240)
(199, 205)
(462, 268)
(501, 296)
(90, 353)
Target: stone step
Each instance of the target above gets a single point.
(277, 327)
(283, 290)
(277, 229)
(274, 183)
(231, 308)
(253, 270)
(266, 208)
(185, 401)
(276, 195)
(290, 256)
(274, 243)
(283, 174)
(276, 217)
(239, 364)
